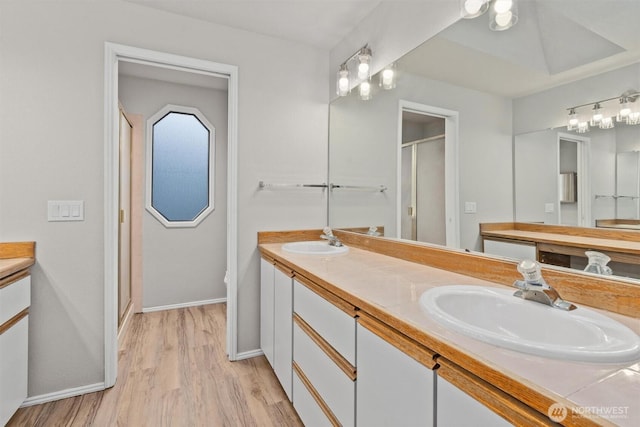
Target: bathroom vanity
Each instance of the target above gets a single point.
(15, 299)
(556, 244)
(363, 352)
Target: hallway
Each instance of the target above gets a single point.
(173, 371)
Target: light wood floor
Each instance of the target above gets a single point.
(173, 371)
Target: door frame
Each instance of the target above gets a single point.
(114, 53)
(450, 169)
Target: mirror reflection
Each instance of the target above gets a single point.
(497, 106)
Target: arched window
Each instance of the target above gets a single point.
(180, 161)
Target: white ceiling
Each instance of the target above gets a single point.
(554, 42)
(319, 23)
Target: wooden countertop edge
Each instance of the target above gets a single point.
(15, 266)
(521, 389)
(573, 241)
(17, 250)
(566, 230)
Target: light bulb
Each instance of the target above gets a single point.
(388, 78)
(342, 88)
(365, 91)
(363, 70)
(573, 120)
(504, 19)
(502, 6)
(633, 118)
(624, 110)
(471, 7)
(597, 115)
(606, 123)
(364, 57)
(583, 127)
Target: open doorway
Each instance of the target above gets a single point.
(115, 55)
(428, 174)
(423, 178)
(574, 186)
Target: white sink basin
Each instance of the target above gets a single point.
(314, 247)
(495, 316)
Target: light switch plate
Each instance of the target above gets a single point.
(470, 207)
(65, 210)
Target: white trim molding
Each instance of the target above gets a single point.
(113, 54)
(63, 394)
(452, 186)
(183, 305)
(151, 121)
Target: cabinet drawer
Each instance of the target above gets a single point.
(14, 298)
(332, 384)
(306, 406)
(333, 324)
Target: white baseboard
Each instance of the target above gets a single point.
(249, 354)
(63, 394)
(183, 305)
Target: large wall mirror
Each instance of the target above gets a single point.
(492, 107)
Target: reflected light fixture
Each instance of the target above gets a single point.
(388, 77)
(365, 90)
(473, 8)
(343, 84)
(362, 60)
(627, 113)
(597, 115)
(361, 75)
(502, 16)
(364, 63)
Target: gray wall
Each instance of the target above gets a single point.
(183, 265)
(363, 150)
(52, 147)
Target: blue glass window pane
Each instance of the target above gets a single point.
(180, 167)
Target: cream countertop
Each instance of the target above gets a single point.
(394, 286)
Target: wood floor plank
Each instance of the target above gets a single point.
(173, 371)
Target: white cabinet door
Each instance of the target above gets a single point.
(13, 368)
(392, 388)
(283, 330)
(267, 298)
(456, 408)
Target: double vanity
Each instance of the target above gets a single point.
(15, 299)
(384, 332)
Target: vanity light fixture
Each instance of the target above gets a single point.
(362, 59)
(503, 14)
(627, 112)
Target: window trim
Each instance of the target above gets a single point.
(172, 108)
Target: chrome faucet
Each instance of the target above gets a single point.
(327, 234)
(535, 288)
